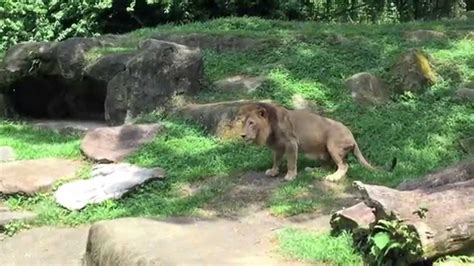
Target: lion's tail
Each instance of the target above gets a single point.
(366, 164)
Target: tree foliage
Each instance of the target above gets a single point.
(36, 20)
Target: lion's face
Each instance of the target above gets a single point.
(256, 126)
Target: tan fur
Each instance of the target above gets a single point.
(289, 132)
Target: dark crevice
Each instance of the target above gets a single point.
(53, 97)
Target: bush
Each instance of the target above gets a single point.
(44, 20)
(49, 19)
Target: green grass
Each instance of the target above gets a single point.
(29, 143)
(318, 247)
(422, 131)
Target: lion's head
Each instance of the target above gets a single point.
(256, 125)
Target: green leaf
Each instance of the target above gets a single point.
(381, 239)
(390, 247)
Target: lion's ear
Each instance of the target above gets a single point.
(262, 111)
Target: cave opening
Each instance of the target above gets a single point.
(53, 97)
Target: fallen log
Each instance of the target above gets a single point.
(443, 217)
(461, 171)
(439, 208)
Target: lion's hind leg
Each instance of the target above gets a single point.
(338, 154)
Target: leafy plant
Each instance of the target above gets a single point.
(393, 242)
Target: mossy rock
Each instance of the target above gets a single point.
(413, 71)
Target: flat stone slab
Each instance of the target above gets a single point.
(113, 144)
(66, 125)
(7, 154)
(7, 216)
(109, 181)
(181, 241)
(45, 246)
(33, 176)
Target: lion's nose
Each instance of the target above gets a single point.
(242, 135)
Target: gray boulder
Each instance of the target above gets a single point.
(367, 89)
(108, 181)
(159, 71)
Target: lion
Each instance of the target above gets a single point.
(289, 132)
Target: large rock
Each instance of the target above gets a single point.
(113, 144)
(45, 246)
(33, 176)
(413, 71)
(368, 89)
(109, 181)
(77, 80)
(159, 71)
(220, 119)
(180, 241)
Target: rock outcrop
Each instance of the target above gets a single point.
(80, 78)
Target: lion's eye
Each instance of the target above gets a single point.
(250, 122)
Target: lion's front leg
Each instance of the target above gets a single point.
(277, 158)
(292, 158)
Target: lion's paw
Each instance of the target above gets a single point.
(290, 177)
(271, 172)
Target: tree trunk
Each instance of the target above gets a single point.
(440, 208)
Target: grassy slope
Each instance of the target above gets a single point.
(422, 131)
